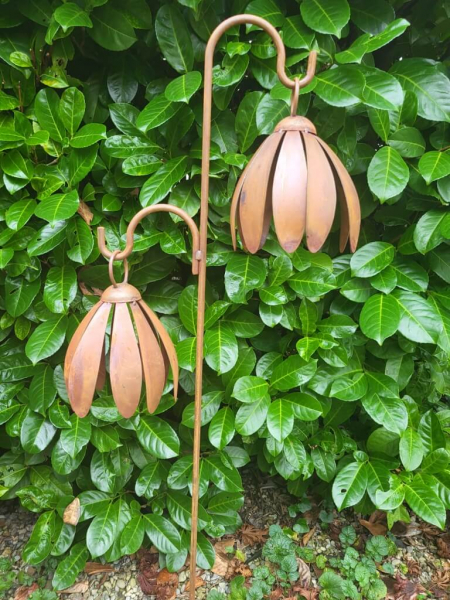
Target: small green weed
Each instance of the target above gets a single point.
(353, 575)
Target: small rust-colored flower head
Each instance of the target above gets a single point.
(296, 178)
(140, 348)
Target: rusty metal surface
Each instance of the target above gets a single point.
(255, 198)
(125, 367)
(320, 194)
(151, 357)
(121, 255)
(289, 192)
(295, 177)
(84, 366)
(350, 196)
(206, 146)
(307, 201)
(73, 345)
(166, 344)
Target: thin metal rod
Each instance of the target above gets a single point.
(135, 222)
(206, 145)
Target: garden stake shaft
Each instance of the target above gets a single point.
(206, 145)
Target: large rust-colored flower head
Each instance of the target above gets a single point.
(140, 348)
(296, 178)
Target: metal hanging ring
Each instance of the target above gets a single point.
(111, 272)
(294, 97)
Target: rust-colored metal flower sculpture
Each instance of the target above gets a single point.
(296, 178)
(140, 348)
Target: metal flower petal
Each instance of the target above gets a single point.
(140, 348)
(297, 179)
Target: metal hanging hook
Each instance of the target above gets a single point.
(294, 97)
(281, 51)
(112, 258)
(123, 254)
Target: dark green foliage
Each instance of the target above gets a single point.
(330, 371)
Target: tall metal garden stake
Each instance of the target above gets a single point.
(206, 145)
(294, 176)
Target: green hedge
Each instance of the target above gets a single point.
(329, 370)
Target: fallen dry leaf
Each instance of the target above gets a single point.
(304, 574)
(92, 568)
(405, 589)
(413, 567)
(166, 578)
(198, 583)
(276, 594)
(401, 529)
(308, 536)
(25, 591)
(442, 577)
(221, 565)
(85, 212)
(224, 544)
(161, 584)
(77, 588)
(242, 569)
(430, 531)
(252, 536)
(72, 512)
(305, 593)
(88, 292)
(374, 528)
(443, 544)
(227, 565)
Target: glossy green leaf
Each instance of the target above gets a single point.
(89, 134)
(48, 112)
(20, 294)
(46, 339)
(102, 530)
(246, 125)
(132, 536)
(389, 412)
(250, 417)
(326, 16)
(419, 321)
(158, 186)
(371, 259)
(158, 437)
(280, 419)
(77, 436)
(221, 428)
(221, 348)
(341, 86)
(434, 165)
(39, 545)
(162, 533)
(429, 84)
(408, 141)
(424, 502)
(380, 317)
(350, 485)
(110, 30)
(36, 433)
(19, 213)
(381, 90)
(173, 38)
(68, 569)
(184, 87)
(388, 173)
(71, 15)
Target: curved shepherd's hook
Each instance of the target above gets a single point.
(196, 252)
(206, 146)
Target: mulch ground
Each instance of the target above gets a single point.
(421, 565)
